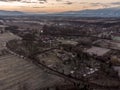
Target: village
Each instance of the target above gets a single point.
(57, 52)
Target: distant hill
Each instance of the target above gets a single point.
(107, 12)
(10, 13)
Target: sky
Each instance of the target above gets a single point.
(56, 5)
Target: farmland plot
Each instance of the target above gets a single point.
(17, 74)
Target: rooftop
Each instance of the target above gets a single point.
(97, 50)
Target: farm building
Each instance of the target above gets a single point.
(97, 51)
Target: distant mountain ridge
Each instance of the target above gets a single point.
(106, 12)
(9, 13)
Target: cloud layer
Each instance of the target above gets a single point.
(56, 5)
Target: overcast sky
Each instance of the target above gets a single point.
(56, 5)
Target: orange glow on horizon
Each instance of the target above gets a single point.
(57, 6)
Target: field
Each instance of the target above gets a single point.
(17, 74)
(5, 37)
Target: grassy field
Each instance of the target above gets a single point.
(17, 74)
(5, 37)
